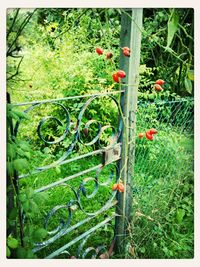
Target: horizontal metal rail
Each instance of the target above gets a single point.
(97, 94)
(44, 188)
(39, 170)
(60, 250)
(73, 227)
(66, 98)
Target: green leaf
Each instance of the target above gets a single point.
(30, 254)
(12, 242)
(58, 170)
(24, 146)
(142, 249)
(33, 207)
(47, 150)
(21, 253)
(188, 85)
(142, 69)
(13, 213)
(39, 234)
(20, 114)
(27, 154)
(8, 253)
(11, 150)
(29, 192)
(26, 206)
(10, 168)
(20, 164)
(172, 27)
(40, 198)
(179, 215)
(191, 75)
(23, 197)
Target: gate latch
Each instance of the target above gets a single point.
(112, 154)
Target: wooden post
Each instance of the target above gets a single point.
(131, 28)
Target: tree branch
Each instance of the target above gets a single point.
(17, 71)
(14, 19)
(22, 26)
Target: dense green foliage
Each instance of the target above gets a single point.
(51, 54)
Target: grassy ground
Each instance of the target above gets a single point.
(162, 226)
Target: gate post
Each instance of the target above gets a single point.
(131, 29)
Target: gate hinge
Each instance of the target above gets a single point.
(112, 154)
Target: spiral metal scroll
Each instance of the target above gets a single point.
(76, 203)
(77, 134)
(81, 192)
(96, 251)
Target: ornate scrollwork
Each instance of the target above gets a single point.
(83, 189)
(76, 202)
(77, 131)
(83, 125)
(95, 251)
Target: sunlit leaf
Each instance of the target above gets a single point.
(172, 27)
(179, 215)
(20, 164)
(188, 85)
(191, 75)
(8, 253)
(12, 242)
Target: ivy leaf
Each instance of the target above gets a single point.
(172, 27)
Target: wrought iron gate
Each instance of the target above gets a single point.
(67, 128)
